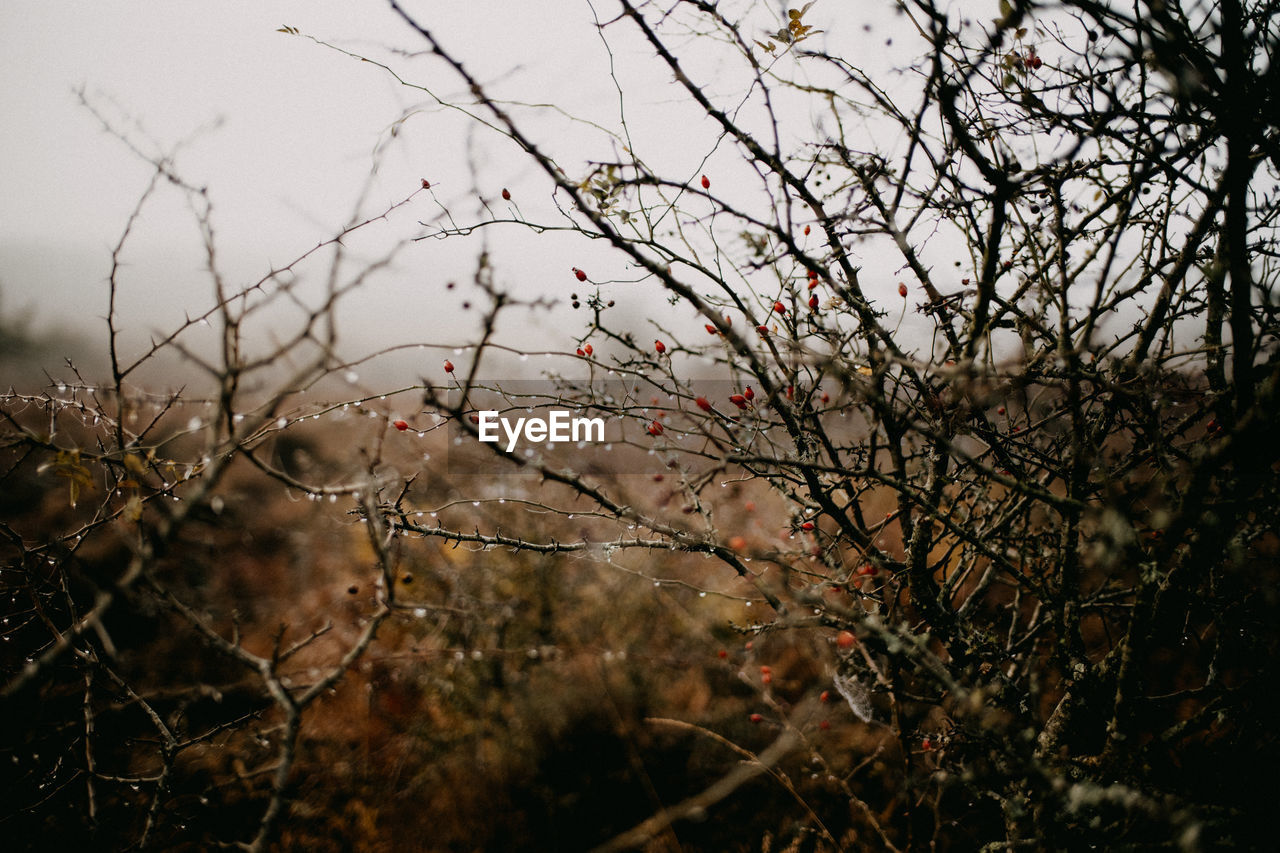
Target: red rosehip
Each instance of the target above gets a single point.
(779, 307)
(808, 525)
(589, 349)
(826, 398)
(806, 231)
(448, 366)
(706, 182)
(738, 543)
(813, 284)
(902, 290)
(722, 654)
(765, 669)
(656, 428)
(845, 639)
(506, 194)
(767, 678)
(660, 347)
(581, 351)
(711, 330)
(824, 725)
(703, 403)
(400, 425)
(426, 185)
(738, 400)
(813, 302)
(764, 330)
(475, 419)
(926, 745)
(755, 718)
(748, 393)
(825, 697)
(867, 570)
(581, 276)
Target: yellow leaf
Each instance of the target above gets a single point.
(132, 509)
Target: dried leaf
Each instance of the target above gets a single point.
(856, 694)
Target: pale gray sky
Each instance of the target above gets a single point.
(283, 133)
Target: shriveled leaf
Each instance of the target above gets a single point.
(67, 465)
(132, 509)
(856, 694)
(134, 465)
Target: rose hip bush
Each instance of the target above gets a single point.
(953, 524)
